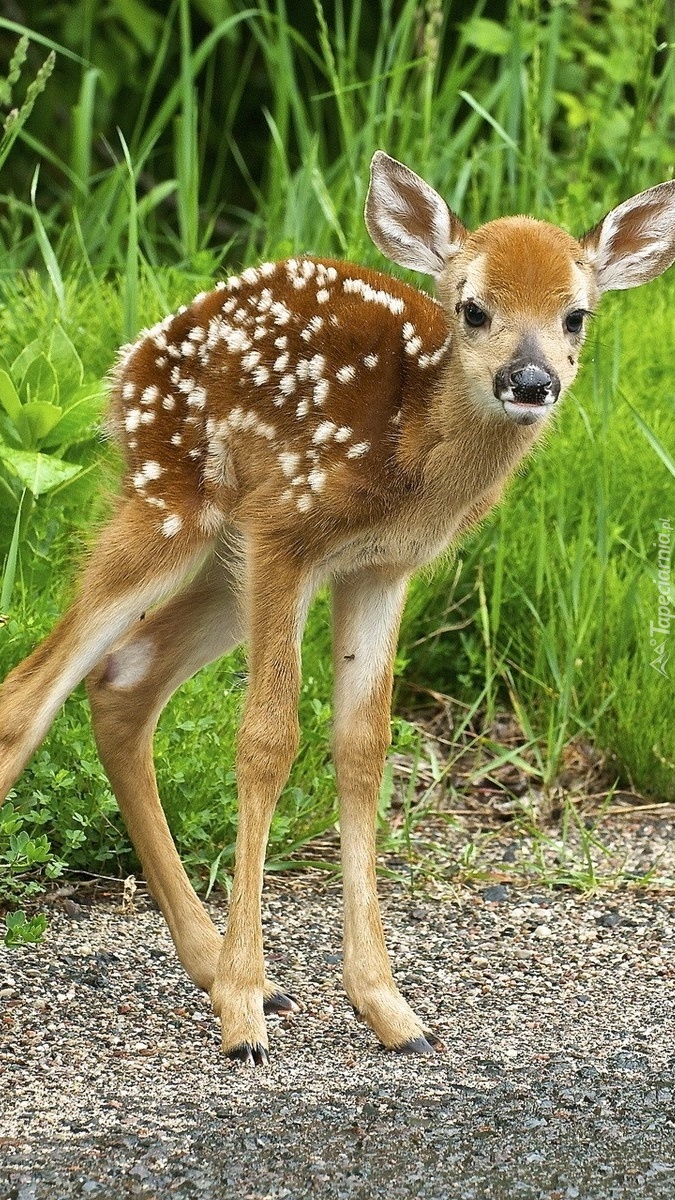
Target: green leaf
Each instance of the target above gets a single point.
(40, 382)
(9, 397)
(65, 360)
(81, 420)
(40, 473)
(36, 420)
(487, 36)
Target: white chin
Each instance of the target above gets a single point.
(526, 414)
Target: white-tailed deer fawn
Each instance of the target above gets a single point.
(312, 421)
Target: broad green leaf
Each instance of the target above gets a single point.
(9, 432)
(487, 35)
(35, 421)
(24, 359)
(81, 420)
(60, 352)
(8, 396)
(40, 473)
(65, 360)
(39, 382)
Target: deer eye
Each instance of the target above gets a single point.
(574, 321)
(474, 315)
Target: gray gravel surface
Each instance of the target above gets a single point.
(558, 1077)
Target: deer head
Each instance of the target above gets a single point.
(518, 291)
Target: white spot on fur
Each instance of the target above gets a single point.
(132, 420)
(280, 313)
(312, 328)
(323, 432)
(321, 392)
(373, 296)
(289, 461)
(169, 403)
(371, 361)
(304, 503)
(316, 479)
(260, 376)
(345, 374)
(322, 296)
(172, 525)
(358, 450)
(129, 391)
(344, 432)
(287, 384)
(197, 398)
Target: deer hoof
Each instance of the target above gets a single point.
(250, 1056)
(427, 1043)
(281, 1005)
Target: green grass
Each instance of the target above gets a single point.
(549, 604)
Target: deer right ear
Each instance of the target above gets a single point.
(636, 241)
(407, 220)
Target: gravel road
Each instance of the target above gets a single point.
(557, 1081)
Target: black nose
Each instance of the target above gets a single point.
(530, 378)
(529, 382)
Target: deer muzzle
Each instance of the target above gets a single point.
(527, 390)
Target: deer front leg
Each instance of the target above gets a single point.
(266, 746)
(366, 611)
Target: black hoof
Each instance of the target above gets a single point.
(419, 1045)
(281, 1005)
(250, 1056)
(433, 1040)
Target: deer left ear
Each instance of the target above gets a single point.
(635, 242)
(407, 220)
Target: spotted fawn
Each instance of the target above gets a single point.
(312, 421)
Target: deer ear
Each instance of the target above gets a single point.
(407, 220)
(634, 242)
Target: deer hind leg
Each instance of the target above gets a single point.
(267, 742)
(366, 612)
(133, 565)
(127, 692)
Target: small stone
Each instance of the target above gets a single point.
(542, 931)
(496, 894)
(609, 920)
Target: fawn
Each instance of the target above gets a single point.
(312, 421)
